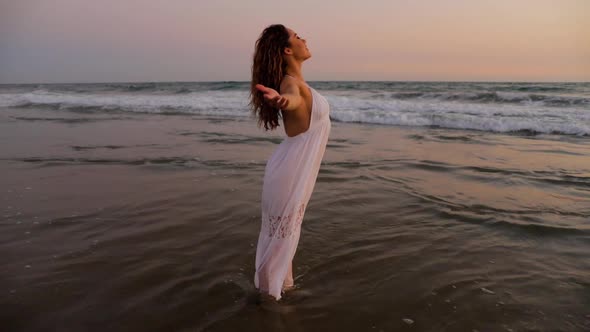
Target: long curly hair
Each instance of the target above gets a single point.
(268, 69)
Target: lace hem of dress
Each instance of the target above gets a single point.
(284, 226)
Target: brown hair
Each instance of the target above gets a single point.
(268, 69)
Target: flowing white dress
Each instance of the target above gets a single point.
(289, 178)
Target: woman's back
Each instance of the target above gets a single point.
(297, 121)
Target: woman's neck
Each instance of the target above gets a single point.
(294, 70)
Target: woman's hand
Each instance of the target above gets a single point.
(272, 97)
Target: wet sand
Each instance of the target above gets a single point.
(121, 222)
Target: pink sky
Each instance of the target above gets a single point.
(46, 41)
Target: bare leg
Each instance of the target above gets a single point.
(288, 284)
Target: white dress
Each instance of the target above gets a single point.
(289, 178)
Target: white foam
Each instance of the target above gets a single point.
(350, 107)
(207, 103)
(461, 115)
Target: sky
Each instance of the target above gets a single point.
(83, 41)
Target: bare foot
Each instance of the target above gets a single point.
(288, 288)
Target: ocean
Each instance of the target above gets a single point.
(550, 108)
(439, 206)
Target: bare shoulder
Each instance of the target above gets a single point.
(290, 86)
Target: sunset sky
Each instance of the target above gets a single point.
(55, 41)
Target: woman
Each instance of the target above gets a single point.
(278, 90)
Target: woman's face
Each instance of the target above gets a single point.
(298, 46)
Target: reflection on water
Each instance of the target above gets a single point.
(150, 223)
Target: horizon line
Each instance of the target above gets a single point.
(237, 81)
